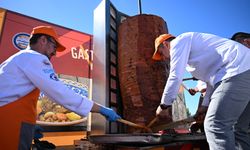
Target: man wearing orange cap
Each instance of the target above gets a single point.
(224, 65)
(22, 76)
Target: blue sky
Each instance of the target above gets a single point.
(221, 17)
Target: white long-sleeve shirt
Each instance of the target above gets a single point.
(208, 57)
(28, 69)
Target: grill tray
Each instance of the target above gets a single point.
(145, 139)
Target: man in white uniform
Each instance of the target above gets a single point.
(22, 76)
(200, 87)
(242, 37)
(224, 65)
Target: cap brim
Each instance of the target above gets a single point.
(156, 56)
(60, 47)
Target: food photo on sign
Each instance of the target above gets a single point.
(50, 113)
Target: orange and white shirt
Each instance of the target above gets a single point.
(27, 70)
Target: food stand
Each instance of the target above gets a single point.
(102, 81)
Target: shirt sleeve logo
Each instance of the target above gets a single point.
(53, 76)
(46, 62)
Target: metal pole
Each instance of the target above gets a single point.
(139, 7)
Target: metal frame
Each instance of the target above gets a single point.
(106, 89)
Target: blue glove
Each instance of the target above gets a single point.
(110, 114)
